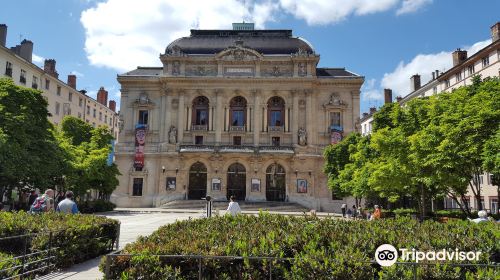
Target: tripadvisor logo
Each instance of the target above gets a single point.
(387, 255)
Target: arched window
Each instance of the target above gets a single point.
(200, 113)
(238, 109)
(276, 111)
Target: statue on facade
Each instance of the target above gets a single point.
(172, 135)
(302, 69)
(176, 65)
(335, 100)
(302, 136)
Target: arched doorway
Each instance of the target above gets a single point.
(197, 181)
(275, 183)
(236, 181)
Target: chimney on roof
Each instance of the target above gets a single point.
(415, 82)
(495, 32)
(459, 56)
(365, 115)
(399, 98)
(387, 95)
(26, 50)
(112, 105)
(373, 110)
(3, 34)
(49, 67)
(102, 96)
(72, 80)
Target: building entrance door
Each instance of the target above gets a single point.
(197, 188)
(236, 181)
(275, 183)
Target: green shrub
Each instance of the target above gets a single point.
(404, 212)
(96, 206)
(77, 237)
(315, 248)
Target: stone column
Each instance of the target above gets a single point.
(355, 108)
(161, 117)
(211, 118)
(311, 139)
(256, 117)
(218, 117)
(295, 116)
(180, 117)
(189, 117)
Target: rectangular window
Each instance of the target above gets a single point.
(276, 118)
(22, 78)
(435, 90)
(58, 108)
(470, 70)
(238, 118)
(94, 114)
(34, 82)
(458, 76)
(88, 110)
(275, 141)
(447, 83)
(100, 116)
(8, 69)
(494, 205)
(201, 117)
(47, 84)
(481, 179)
(80, 102)
(237, 140)
(79, 115)
(143, 117)
(485, 61)
(335, 120)
(58, 92)
(106, 119)
(198, 140)
(137, 187)
(70, 96)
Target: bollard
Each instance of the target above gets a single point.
(209, 206)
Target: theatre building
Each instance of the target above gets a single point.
(238, 112)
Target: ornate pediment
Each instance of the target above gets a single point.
(238, 53)
(335, 102)
(143, 101)
(175, 51)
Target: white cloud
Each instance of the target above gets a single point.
(76, 73)
(411, 6)
(37, 59)
(332, 11)
(370, 92)
(123, 34)
(424, 65)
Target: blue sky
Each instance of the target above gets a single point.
(386, 41)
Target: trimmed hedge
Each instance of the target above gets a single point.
(77, 237)
(320, 248)
(96, 206)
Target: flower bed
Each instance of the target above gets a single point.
(76, 237)
(319, 248)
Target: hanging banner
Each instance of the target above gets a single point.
(335, 136)
(140, 140)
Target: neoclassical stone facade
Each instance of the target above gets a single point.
(233, 112)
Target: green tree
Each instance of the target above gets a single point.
(29, 152)
(76, 130)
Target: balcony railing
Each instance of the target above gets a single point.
(276, 129)
(236, 149)
(198, 127)
(237, 128)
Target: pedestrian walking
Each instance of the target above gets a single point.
(234, 207)
(377, 214)
(67, 206)
(343, 207)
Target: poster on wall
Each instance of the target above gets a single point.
(335, 137)
(140, 140)
(171, 181)
(301, 186)
(216, 184)
(255, 185)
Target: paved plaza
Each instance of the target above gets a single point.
(132, 226)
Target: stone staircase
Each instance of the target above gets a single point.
(272, 206)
